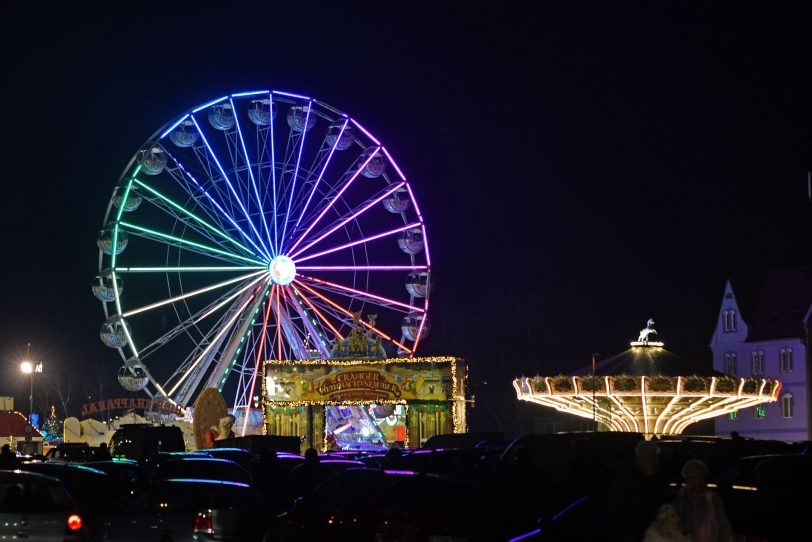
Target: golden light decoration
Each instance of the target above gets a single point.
(654, 405)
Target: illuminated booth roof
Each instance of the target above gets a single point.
(646, 389)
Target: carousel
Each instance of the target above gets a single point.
(646, 389)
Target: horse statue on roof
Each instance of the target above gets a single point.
(646, 331)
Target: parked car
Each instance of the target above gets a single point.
(126, 475)
(373, 504)
(189, 510)
(91, 489)
(242, 457)
(205, 468)
(71, 451)
(38, 507)
(143, 441)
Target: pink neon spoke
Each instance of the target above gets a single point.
(340, 224)
(420, 329)
(333, 201)
(363, 293)
(362, 268)
(324, 318)
(402, 176)
(426, 244)
(256, 366)
(366, 240)
(414, 202)
(348, 313)
(278, 323)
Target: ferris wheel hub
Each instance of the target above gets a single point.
(282, 270)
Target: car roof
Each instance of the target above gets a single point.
(25, 476)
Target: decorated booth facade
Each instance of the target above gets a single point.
(364, 403)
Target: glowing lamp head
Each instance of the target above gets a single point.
(282, 270)
(27, 367)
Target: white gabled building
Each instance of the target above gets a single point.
(773, 344)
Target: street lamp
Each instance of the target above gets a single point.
(29, 368)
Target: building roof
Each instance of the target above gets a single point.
(782, 305)
(646, 361)
(13, 423)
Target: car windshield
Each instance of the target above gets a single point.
(31, 497)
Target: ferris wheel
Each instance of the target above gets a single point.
(260, 225)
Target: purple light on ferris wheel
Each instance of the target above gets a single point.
(363, 293)
(393, 163)
(340, 224)
(414, 202)
(291, 95)
(360, 241)
(367, 133)
(420, 328)
(318, 180)
(252, 93)
(213, 201)
(231, 187)
(275, 241)
(334, 200)
(251, 174)
(426, 244)
(296, 173)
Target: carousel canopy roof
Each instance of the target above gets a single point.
(646, 361)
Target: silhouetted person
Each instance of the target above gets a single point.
(393, 458)
(270, 477)
(524, 491)
(102, 453)
(7, 456)
(636, 494)
(306, 476)
(702, 513)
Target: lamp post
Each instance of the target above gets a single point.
(30, 367)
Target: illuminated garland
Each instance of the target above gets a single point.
(676, 402)
(457, 403)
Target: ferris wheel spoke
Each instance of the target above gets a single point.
(214, 202)
(215, 269)
(352, 292)
(321, 174)
(324, 319)
(211, 344)
(194, 217)
(253, 180)
(191, 294)
(333, 201)
(309, 325)
(359, 242)
(361, 268)
(353, 216)
(194, 247)
(296, 171)
(196, 318)
(348, 313)
(238, 199)
(256, 372)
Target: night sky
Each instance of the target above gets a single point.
(580, 169)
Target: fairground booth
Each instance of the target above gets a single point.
(366, 404)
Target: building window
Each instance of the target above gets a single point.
(758, 361)
(760, 412)
(733, 415)
(785, 360)
(787, 406)
(729, 319)
(730, 363)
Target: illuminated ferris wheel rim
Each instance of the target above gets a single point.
(272, 262)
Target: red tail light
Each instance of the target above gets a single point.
(203, 523)
(74, 522)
